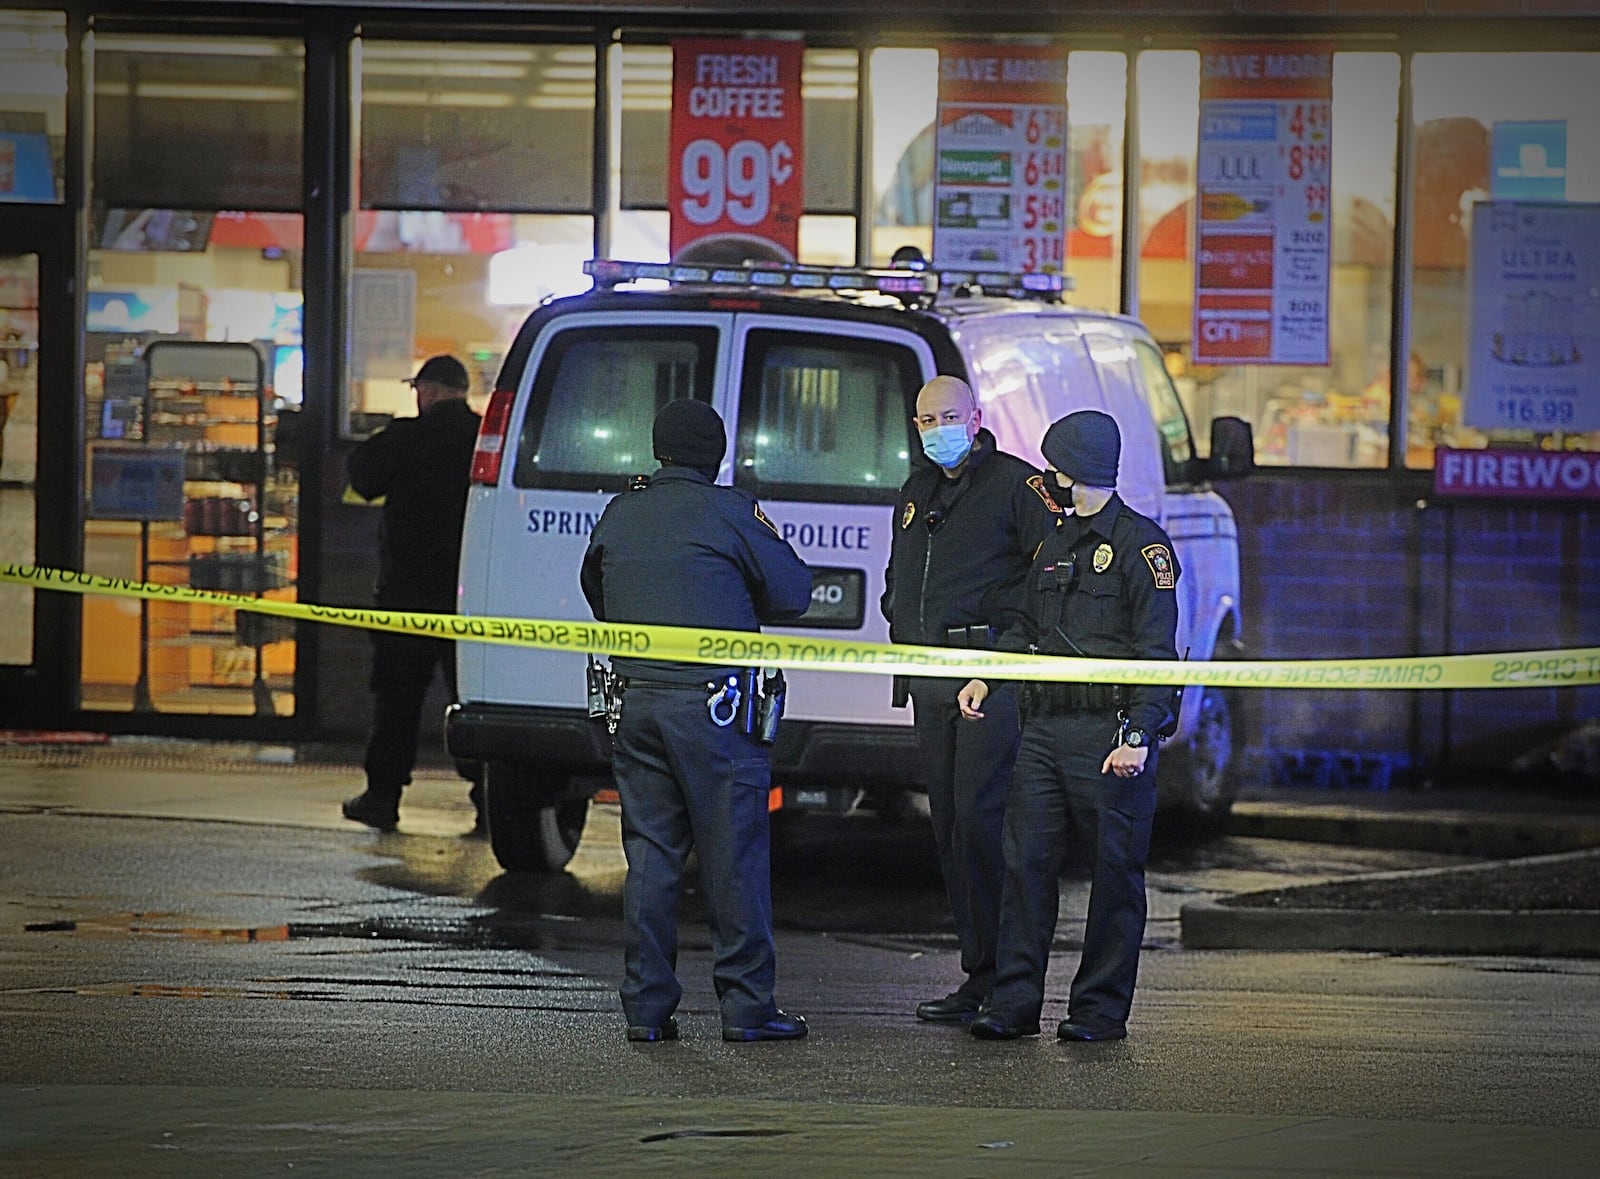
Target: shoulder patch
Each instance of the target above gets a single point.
(909, 515)
(1037, 483)
(762, 516)
(1160, 561)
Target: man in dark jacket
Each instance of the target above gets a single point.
(684, 551)
(1103, 586)
(969, 523)
(421, 467)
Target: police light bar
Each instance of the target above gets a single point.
(608, 272)
(904, 284)
(1035, 283)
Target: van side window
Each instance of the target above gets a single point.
(825, 417)
(1177, 445)
(596, 395)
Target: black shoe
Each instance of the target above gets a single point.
(956, 1007)
(782, 1026)
(645, 1033)
(1083, 1031)
(375, 810)
(994, 1025)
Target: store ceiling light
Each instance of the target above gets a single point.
(378, 50)
(442, 69)
(199, 92)
(200, 46)
(560, 102)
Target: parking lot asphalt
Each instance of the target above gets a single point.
(281, 786)
(204, 1129)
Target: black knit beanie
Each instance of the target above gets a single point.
(690, 433)
(1084, 446)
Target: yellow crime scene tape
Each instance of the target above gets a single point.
(1563, 668)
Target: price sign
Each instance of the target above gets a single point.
(1000, 188)
(737, 139)
(1263, 213)
(1535, 319)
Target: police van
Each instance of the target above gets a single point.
(816, 372)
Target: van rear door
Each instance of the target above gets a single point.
(824, 439)
(580, 428)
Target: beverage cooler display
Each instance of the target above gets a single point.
(185, 467)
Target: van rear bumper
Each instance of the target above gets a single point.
(806, 751)
(525, 733)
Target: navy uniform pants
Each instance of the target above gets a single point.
(967, 766)
(685, 783)
(1060, 800)
(402, 670)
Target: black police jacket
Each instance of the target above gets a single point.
(421, 466)
(962, 546)
(1106, 586)
(684, 551)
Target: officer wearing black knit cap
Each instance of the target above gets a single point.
(1103, 586)
(684, 551)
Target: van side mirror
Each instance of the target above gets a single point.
(1233, 449)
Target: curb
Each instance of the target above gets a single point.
(1207, 925)
(1493, 836)
(1559, 933)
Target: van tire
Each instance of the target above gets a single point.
(1200, 769)
(526, 833)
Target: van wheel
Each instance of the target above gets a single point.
(526, 833)
(1200, 768)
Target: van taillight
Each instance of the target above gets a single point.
(492, 438)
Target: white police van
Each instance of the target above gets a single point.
(816, 372)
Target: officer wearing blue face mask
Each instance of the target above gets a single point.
(969, 521)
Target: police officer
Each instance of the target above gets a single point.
(421, 467)
(1103, 586)
(686, 552)
(970, 521)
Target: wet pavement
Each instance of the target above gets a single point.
(203, 970)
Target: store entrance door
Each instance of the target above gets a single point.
(38, 477)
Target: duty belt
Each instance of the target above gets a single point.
(1055, 698)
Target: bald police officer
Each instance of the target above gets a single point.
(970, 521)
(1104, 585)
(685, 551)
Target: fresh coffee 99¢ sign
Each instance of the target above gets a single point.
(737, 150)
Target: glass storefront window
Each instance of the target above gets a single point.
(1333, 416)
(501, 127)
(1097, 88)
(905, 99)
(904, 96)
(19, 428)
(33, 105)
(1513, 126)
(193, 342)
(473, 189)
(197, 123)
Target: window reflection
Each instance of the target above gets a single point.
(33, 105)
(1461, 102)
(1334, 416)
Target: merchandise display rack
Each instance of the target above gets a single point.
(210, 401)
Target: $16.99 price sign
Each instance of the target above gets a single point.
(736, 159)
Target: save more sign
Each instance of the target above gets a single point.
(1262, 226)
(736, 154)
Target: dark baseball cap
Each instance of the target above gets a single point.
(443, 370)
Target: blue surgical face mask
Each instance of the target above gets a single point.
(947, 445)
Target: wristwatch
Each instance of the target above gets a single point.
(1135, 738)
